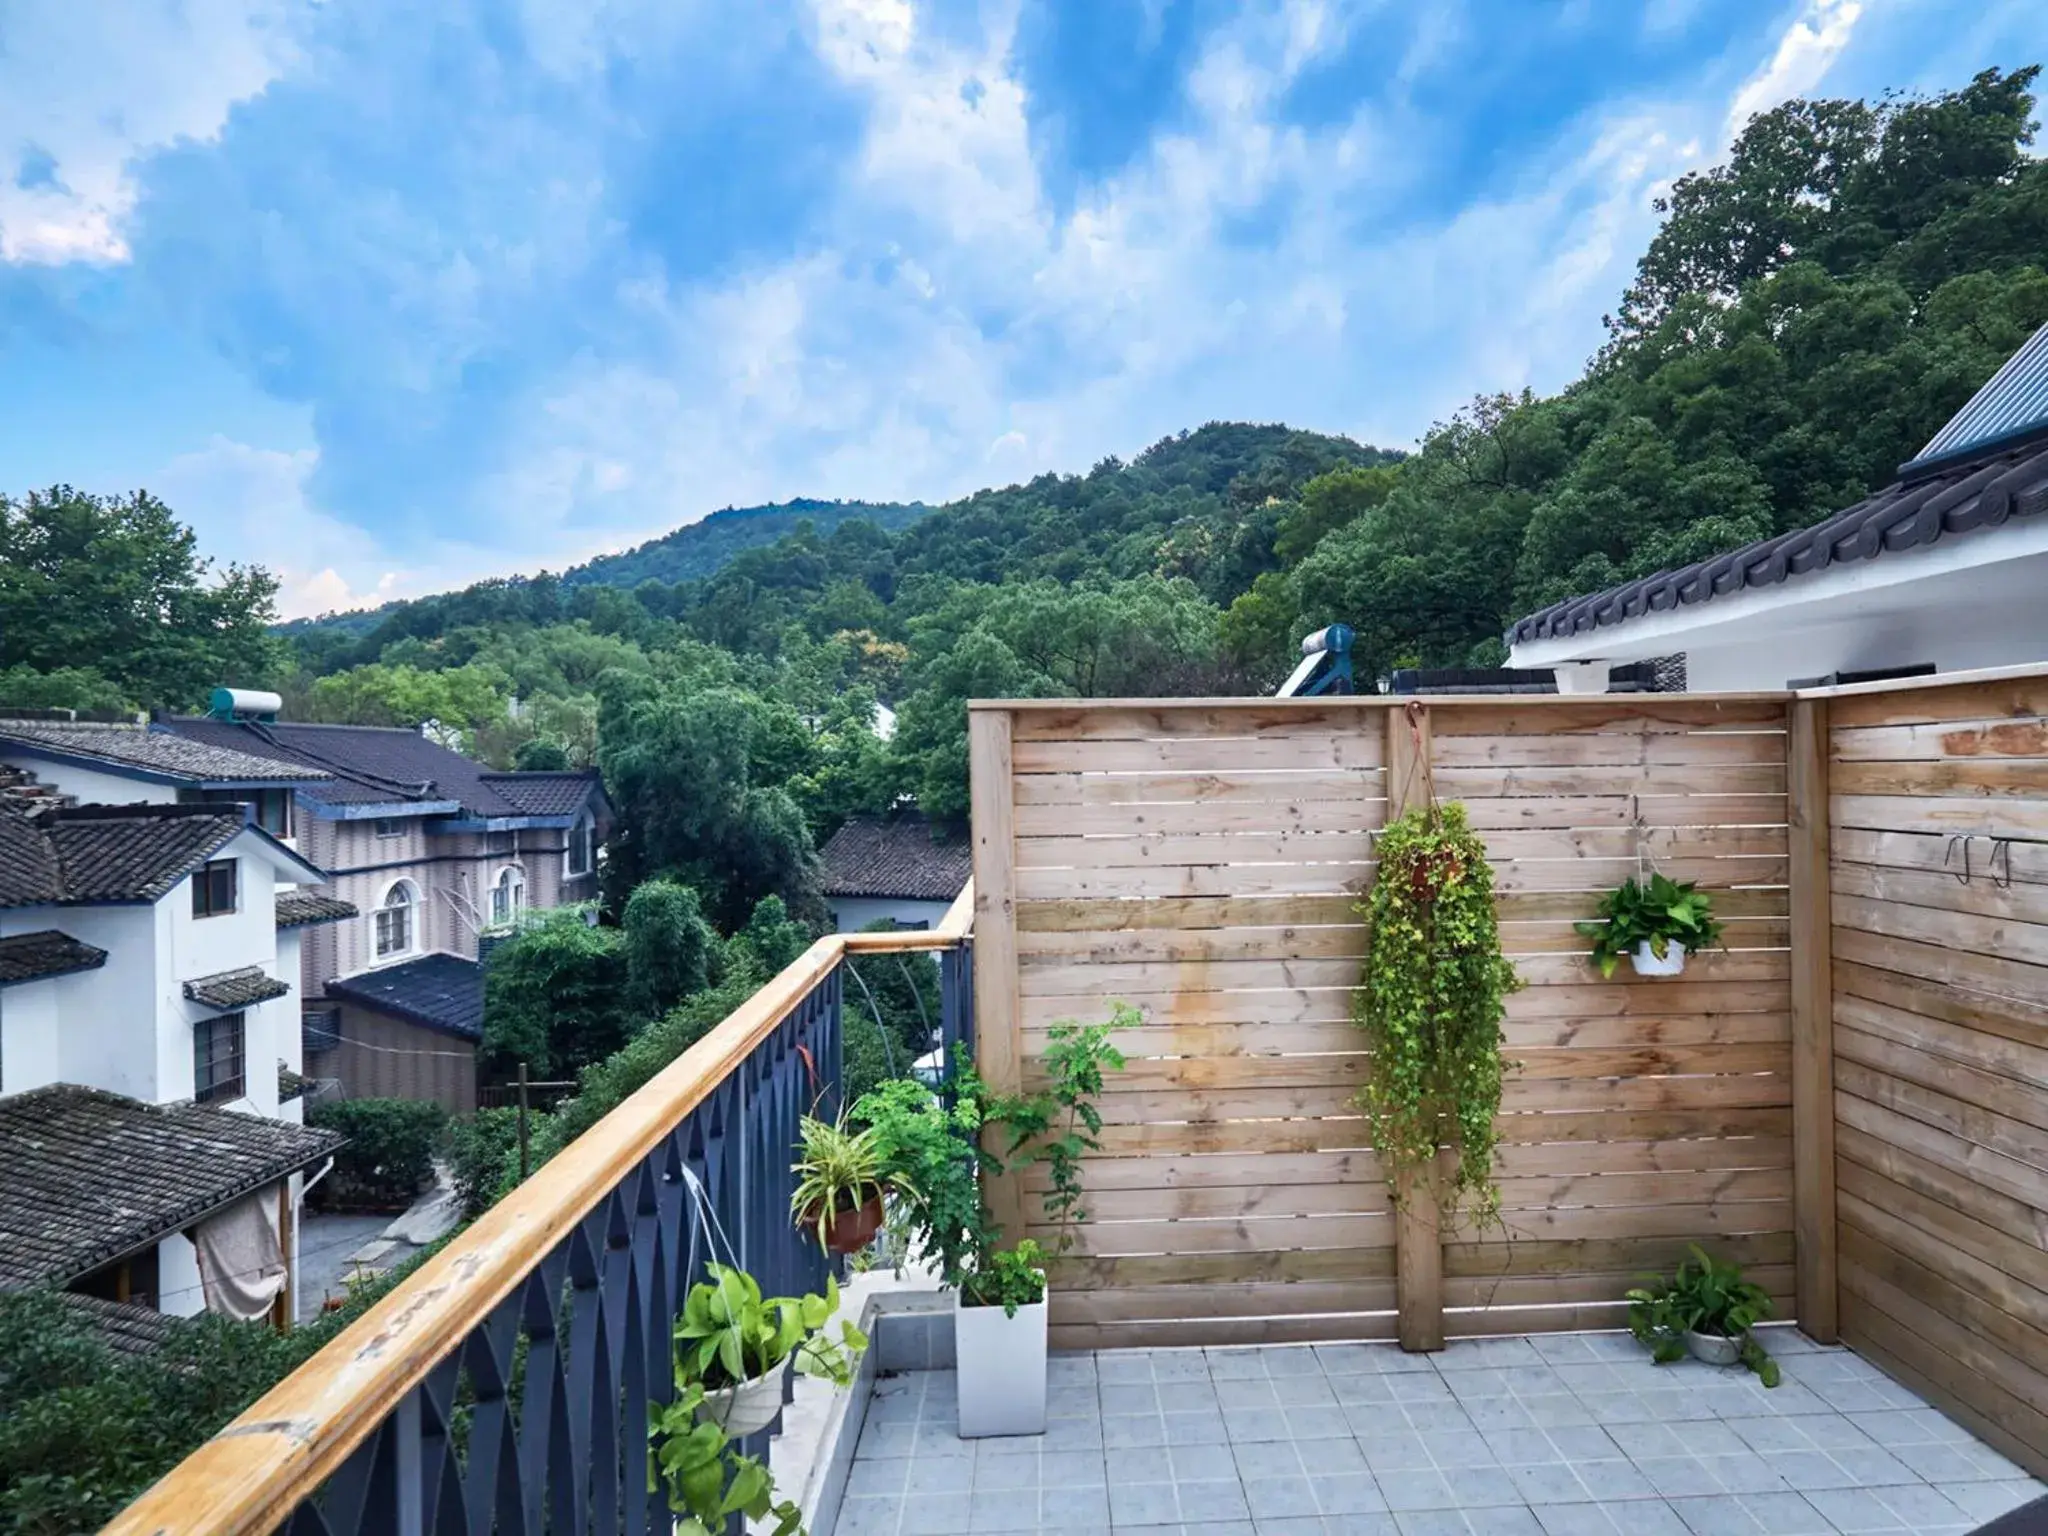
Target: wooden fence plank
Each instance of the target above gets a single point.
(1615, 750)
(1711, 780)
(2008, 698)
(2003, 817)
(2026, 777)
(1328, 750)
(1813, 1050)
(997, 1025)
(1933, 851)
(1250, 786)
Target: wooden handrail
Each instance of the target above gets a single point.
(956, 925)
(248, 1478)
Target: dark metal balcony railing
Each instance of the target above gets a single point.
(504, 1386)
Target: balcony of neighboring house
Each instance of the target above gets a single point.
(1257, 1328)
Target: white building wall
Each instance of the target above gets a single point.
(91, 786)
(178, 1290)
(111, 1015)
(29, 1034)
(850, 914)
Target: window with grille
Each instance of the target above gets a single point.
(217, 1059)
(394, 921)
(213, 889)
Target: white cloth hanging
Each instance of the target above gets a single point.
(241, 1266)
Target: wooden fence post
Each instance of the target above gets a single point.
(998, 1027)
(1813, 1028)
(1418, 1240)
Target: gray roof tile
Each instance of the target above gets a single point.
(46, 952)
(899, 857)
(441, 992)
(241, 988)
(302, 908)
(86, 854)
(87, 1176)
(1916, 512)
(156, 752)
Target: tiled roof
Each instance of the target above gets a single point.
(302, 908)
(442, 992)
(29, 873)
(157, 752)
(897, 857)
(88, 854)
(242, 988)
(376, 765)
(545, 794)
(87, 1176)
(1916, 512)
(123, 1326)
(33, 956)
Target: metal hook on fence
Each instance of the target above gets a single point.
(1948, 857)
(2001, 846)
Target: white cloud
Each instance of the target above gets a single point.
(1805, 53)
(252, 504)
(86, 89)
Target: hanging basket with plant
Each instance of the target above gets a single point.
(1655, 922)
(841, 1177)
(1434, 993)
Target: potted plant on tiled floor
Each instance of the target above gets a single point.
(1706, 1310)
(940, 1151)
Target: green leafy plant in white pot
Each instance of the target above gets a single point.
(1000, 1309)
(1707, 1310)
(1654, 923)
(738, 1345)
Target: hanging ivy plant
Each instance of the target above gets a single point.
(1434, 991)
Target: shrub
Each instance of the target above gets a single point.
(86, 1428)
(554, 996)
(390, 1152)
(483, 1156)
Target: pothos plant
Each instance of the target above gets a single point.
(1657, 912)
(1703, 1297)
(1434, 992)
(706, 1479)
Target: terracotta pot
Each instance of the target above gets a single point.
(849, 1231)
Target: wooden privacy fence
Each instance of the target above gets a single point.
(1202, 860)
(1938, 893)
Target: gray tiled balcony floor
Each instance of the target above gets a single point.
(1553, 1435)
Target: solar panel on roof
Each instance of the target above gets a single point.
(2014, 402)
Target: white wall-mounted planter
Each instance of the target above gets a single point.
(748, 1408)
(1582, 676)
(1002, 1369)
(1645, 960)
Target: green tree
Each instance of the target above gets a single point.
(463, 699)
(554, 996)
(116, 585)
(669, 947)
(680, 766)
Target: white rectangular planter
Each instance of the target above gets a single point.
(1001, 1361)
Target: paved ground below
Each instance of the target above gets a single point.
(1552, 1435)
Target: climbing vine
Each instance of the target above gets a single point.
(1433, 996)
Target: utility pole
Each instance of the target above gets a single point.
(525, 1150)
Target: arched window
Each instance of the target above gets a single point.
(582, 846)
(508, 896)
(395, 920)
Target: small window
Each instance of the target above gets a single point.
(274, 811)
(508, 897)
(582, 846)
(213, 889)
(394, 921)
(389, 826)
(217, 1052)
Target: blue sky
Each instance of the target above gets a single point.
(391, 297)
